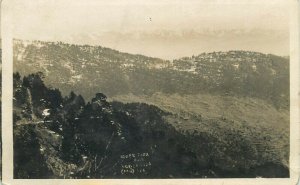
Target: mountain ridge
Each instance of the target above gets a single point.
(28, 42)
(241, 73)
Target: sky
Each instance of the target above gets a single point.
(165, 29)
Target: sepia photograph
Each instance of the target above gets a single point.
(150, 90)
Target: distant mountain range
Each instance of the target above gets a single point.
(90, 69)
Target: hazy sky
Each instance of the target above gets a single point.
(166, 29)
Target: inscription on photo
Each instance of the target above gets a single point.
(135, 163)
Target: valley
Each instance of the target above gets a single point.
(94, 112)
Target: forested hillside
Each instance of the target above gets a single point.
(91, 69)
(68, 137)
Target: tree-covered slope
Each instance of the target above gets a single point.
(67, 137)
(91, 69)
